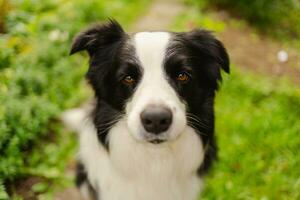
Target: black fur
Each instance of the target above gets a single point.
(112, 58)
(203, 56)
(81, 178)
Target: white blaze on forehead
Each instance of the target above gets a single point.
(154, 87)
(151, 48)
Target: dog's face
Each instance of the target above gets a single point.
(159, 82)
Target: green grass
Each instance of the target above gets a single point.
(258, 135)
(257, 127)
(38, 80)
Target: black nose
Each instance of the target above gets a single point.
(156, 119)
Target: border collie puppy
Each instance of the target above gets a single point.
(150, 134)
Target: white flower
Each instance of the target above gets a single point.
(282, 56)
(54, 35)
(58, 35)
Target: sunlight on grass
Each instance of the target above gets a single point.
(194, 19)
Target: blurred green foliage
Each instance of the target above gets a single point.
(280, 18)
(38, 79)
(258, 138)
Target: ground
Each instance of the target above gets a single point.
(256, 52)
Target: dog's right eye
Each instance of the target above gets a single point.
(128, 80)
(183, 77)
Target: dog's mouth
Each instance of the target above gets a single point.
(156, 141)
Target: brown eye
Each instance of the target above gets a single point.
(128, 80)
(183, 77)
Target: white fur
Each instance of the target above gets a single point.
(134, 169)
(141, 171)
(85, 192)
(154, 88)
(73, 118)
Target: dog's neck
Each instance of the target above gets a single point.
(135, 170)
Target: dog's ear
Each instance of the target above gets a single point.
(98, 37)
(208, 51)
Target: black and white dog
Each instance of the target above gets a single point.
(150, 135)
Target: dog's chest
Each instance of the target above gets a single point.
(135, 171)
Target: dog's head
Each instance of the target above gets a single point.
(162, 82)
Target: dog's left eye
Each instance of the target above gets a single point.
(128, 80)
(183, 77)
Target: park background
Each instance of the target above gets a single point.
(257, 108)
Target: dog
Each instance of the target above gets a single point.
(150, 133)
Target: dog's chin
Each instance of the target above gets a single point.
(149, 138)
(157, 141)
(141, 136)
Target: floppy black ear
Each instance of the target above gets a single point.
(97, 37)
(204, 43)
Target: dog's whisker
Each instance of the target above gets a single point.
(193, 126)
(197, 122)
(104, 127)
